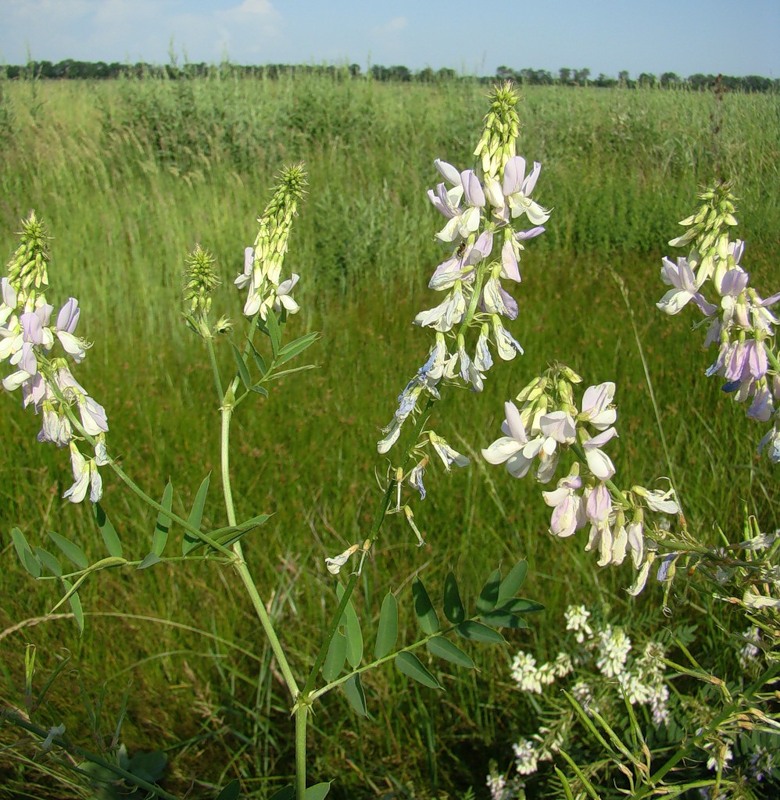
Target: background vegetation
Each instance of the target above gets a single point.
(129, 175)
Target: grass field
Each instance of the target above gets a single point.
(128, 176)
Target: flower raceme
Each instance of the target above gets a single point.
(740, 321)
(28, 336)
(548, 423)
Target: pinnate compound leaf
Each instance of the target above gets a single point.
(412, 667)
(25, 553)
(107, 531)
(296, 347)
(453, 605)
(231, 791)
(353, 689)
(488, 597)
(51, 562)
(195, 517)
(334, 660)
(287, 793)
(243, 371)
(510, 586)
(423, 608)
(444, 648)
(478, 632)
(75, 605)
(163, 524)
(317, 792)
(387, 630)
(70, 550)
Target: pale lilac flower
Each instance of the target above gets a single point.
(771, 443)
(85, 475)
(416, 477)
(568, 513)
(67, 319)
(515, 448)
(447, 314)
(599, 463)
(506, 344)
(596, 405)
(93, 415)
(514, 196)
(685, 287)
(461, 222)
(659, 501)
(636, 541)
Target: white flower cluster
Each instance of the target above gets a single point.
(549, 422)
(740, 322)
(28, 335)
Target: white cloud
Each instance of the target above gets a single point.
(394, 25)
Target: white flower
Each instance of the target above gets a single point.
(447, 454)
(335, 564)
(515, 449)
(526, 757)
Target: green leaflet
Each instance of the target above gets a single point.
(243, 371)
(510, 586)
(353, 689)
(70, 550)
(444, 648)
(231, 791)
(163, 524)
(423, 608)
(352, 631)
(488, 597)
(478, 632)
(107, 531)
(412, 667)
(387, 630)
(334, 660)
(317, 792)
(25, 553)
(75, 605)
(195, 517)
(453, 605)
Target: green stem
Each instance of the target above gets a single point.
(214, 367)
(301, 723)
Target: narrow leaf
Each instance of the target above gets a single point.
(317, 792)
(412, 667)
(478, 632)
(254, 522)
(423, 608)
(353, 689)
(259, 360)
(352, 631)
(287, 793)
(196, 516)
(387, 630)
(70, 550)
(334, 660)
(521, 606)
(243, 371)
(149, 561)
(296, 347)
(107, 531)
(49, 561)
(489, 595)
(444, 648)
(258, 389)
(274, 332)
(75, 605)
(25, 553)
(163, 525)
(453, 605)
(231, 791)
(510, 586)
(503, 619)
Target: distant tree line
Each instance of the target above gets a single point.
(566, 76)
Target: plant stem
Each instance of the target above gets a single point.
(301, 722)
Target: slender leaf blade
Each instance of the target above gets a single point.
(70, 550)
(478, 632)
(444, 648)
(274, 332)
(412, 667)
(286, 793)
(503, 619)
(50, 561)
(354, 636)
(423, 608)
(25, 553)
(353, 689)
(259, 360)
(510, 586)
(163, 525)
(521, 606)
(195, 516)
(107, 531)
(334, 660)
(489, 595)
(453, 605)
(243, 371)
(150, 559)
(75, 605)
(387, 630)
(317, 792)
(296, 347)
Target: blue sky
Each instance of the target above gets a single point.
(682, 36)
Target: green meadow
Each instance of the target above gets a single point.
(129, 176)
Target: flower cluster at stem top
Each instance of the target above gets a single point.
(548, 422)
(28, 336)
(739, 320)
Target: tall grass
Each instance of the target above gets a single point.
(129, 175)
